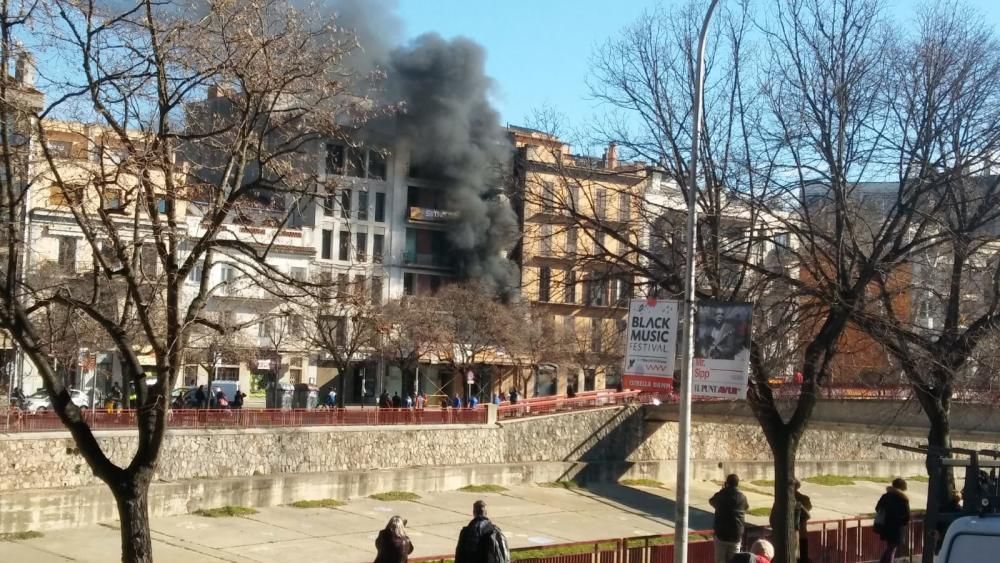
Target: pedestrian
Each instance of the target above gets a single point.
(392, 543)
(803, 504)
(619, 388)
(331, 399)
(481, 541)
(473, 402)
(409, 401)
(570, 392)
(238, 399)
(456, 402)
(397, 401)
(892, 514)
(503, 397)
(763, 551)
(730, 518)
(200, 398)
(497, 400)
(513, 396)
(421, 401)
(384, 402)
(220, 399)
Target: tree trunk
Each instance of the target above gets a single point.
(783, 522)
(132, 493)
(939, 493)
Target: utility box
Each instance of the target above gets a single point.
(279, 396)
(306, 396)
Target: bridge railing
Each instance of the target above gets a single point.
(851, 540)
(550, 405)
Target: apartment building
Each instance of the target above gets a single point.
(580, 230)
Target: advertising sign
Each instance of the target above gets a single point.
(651, 345)
(722, 350)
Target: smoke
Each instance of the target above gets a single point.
(451, 130)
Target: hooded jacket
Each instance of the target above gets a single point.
(896, 506)
(730, 514)
(470, 541)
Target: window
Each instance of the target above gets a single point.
(548, 197)
(329, 202)
(341, 331)
(66, 195)
(226, 374)
(327, 250)
(378, 247)
(574, 198)
(361, 246)
(148, 260)
(623, 206)
(781, 240)
(544, 283)
(296, 326)
(595, 292)
(599, 242)
(376, 165)
(345, 245)
(359, 286)
(379, 207)
(356, 162)
(227, 273)
(67, 253)
(343, 281)
(60, 149)
(297, 274)
(265, 328)
(163, 205)
(409, 283)
(589, 379)
(334, 159)
(569, 327)
(595, 335)
(623, 291)
(113, 199)
(546, 240)
(196, 273)
(109, 254)
(569, 291)
(601, 203)
(377, 290)
(571, 241)
(345, 204)
(362, 206)
(295, 369)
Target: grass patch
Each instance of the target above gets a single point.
(321, 503)
(763, 482)
(395, 495)
(225, 511)
(483, 489)
(830, 480)
(539, 552)
(18, 536)
(760, 511)
(641, 483)
(561, 484)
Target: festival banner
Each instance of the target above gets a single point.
(722, 350)
(651, 345)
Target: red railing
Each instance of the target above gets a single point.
(851, 540)
(549, 405)
(253, 418)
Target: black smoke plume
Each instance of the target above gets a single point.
(451, 130)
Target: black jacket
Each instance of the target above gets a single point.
(391, 548)
(730, 514)
(470, 541)
(896, 506)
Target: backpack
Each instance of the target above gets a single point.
(495, 547)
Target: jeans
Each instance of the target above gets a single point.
(889, 555)
(725, 550)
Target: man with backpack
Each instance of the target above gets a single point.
(481, 541)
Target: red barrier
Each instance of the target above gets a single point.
(549, 405)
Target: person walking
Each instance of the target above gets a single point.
(421, 401)
(481, 541)
(200, 398)
(392, 543)
(892, 514)
(456, 402)
(238, 399)
(730, 518)
(397, 401)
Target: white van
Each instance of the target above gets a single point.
(972, 539)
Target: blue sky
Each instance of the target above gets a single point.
(538, 50)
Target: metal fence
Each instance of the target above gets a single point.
(549, 405)
(99, 419)
(851, 540)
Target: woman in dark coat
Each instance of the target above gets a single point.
(392, 543)
(892, 514)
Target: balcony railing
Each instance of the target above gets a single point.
(431, 260)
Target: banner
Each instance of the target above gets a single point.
(651, 345)
(722, 350)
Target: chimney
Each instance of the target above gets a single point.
(611, 158)
(24, 69)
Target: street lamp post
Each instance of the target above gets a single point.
(684, 424)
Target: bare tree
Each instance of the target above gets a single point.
(409, 334)
(278, 85)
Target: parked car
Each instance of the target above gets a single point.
(183, 397)
(971, 539)
(39, 400)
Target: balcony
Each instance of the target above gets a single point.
(430, 215)
(426, 260)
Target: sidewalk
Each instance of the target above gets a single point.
(529, 516)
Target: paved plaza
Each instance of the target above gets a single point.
(529, 516)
